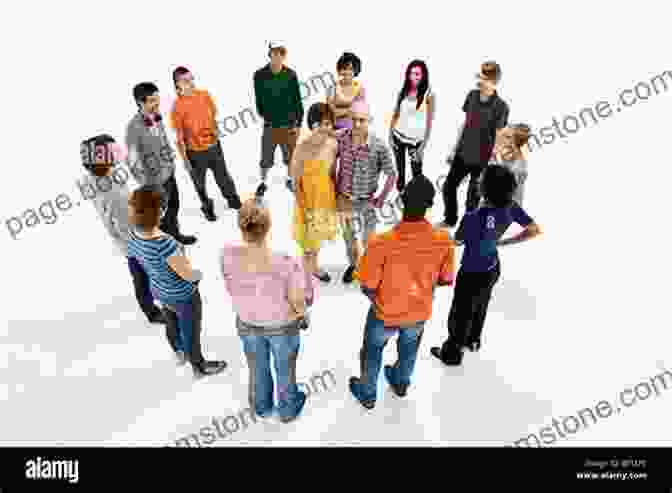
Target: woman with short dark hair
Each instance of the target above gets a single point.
(347, 89)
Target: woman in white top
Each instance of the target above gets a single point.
(510, 152)
(412, 119)
(346, 91)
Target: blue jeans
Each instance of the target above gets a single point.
(285, 351)
(183, 327)
(376, 336)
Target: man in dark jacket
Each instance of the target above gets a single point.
(278, 100)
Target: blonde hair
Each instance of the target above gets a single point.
(254, 220)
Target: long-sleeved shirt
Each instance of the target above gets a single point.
(151, 158)
(278, 97)
(111, 203)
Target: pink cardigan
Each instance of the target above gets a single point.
(261, 298)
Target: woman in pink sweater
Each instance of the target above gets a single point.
(271, 294)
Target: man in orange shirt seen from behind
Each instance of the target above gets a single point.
(193, 118)
(399, 272)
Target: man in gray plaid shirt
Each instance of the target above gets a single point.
(362, 156)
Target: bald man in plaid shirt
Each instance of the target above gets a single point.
(362, 156)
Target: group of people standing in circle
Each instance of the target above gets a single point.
(334, 173)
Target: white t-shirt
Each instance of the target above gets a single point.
(412, 121)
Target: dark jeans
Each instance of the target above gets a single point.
(458, 172)
(169, 223)
(184, 325)
(212, 159)
(471, 298)
(141, 285)
(400, 148)
(376, 336)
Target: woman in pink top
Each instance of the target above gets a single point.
(271, 294)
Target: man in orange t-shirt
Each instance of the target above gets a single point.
(193, 118)
(399, 272)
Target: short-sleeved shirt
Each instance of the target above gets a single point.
(261, 298)
(481, 228)
(193, 118)
(152, 254)
(482, 120)
(403, 266)
(359, 166)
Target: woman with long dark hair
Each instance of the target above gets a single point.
(347, 90)
(412, 119)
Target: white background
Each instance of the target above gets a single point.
(578, 315)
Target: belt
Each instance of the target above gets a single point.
(351, 197)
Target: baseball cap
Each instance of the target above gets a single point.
(419, 193)
(276, 44)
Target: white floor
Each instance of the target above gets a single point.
(578, 316)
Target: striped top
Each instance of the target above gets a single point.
(152, 254)
(360, 165)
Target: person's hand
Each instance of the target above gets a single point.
(450, 158)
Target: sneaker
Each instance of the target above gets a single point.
(261, 190)
(454, 359)
(398, 388)
(322, 276)
(156, 318)
(209, 214)
(348, 274)
(235, 204)
(209, 368)
(474, 346)
(302, 402)
(354, 389)
(185, 239)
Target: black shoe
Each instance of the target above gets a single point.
(156, 318)
(209, 214)
(208, 368)
(474, 346)
(235, 204)
(185, 239)
(290, 185)
(322, 276)
(369, 403)
(454, 358)
(398, 388)
(261, 190)
(347, 275)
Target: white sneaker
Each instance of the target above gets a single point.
(181, 358)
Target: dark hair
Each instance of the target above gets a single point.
(142, 91)
(498, 185)
(147, 204)
(422, 87)
(88, 153)
(319, 112)
(492, 71)
(179, 72)
(348, 58)
(418, 196)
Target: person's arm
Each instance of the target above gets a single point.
(181, 265)
(387, 166)
(133, 157)
(369, 271)
(177, 123)
(259, 96)
(116, 220)
(298, 101)
(447, 272)
(431, 111)
(521, 217)
(459, 234)
(296, 166)
(460, 132)
(296, 290)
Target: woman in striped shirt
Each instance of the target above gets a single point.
(172, 279)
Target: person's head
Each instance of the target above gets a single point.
(184, 81)
(146, 206)
(489, 76)
(277, 52)
(146, 96)
(512, 139)
(99, 154)
(416, 77)
(418, 197)
(360, 118)
(498, 185)
(348, 66)
(321, 117)
(254, 220)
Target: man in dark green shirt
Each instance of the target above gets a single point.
(278, 100)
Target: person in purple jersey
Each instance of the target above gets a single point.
(480, 232)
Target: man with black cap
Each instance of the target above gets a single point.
(485, 114)
(278, 100)
(399, 272)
